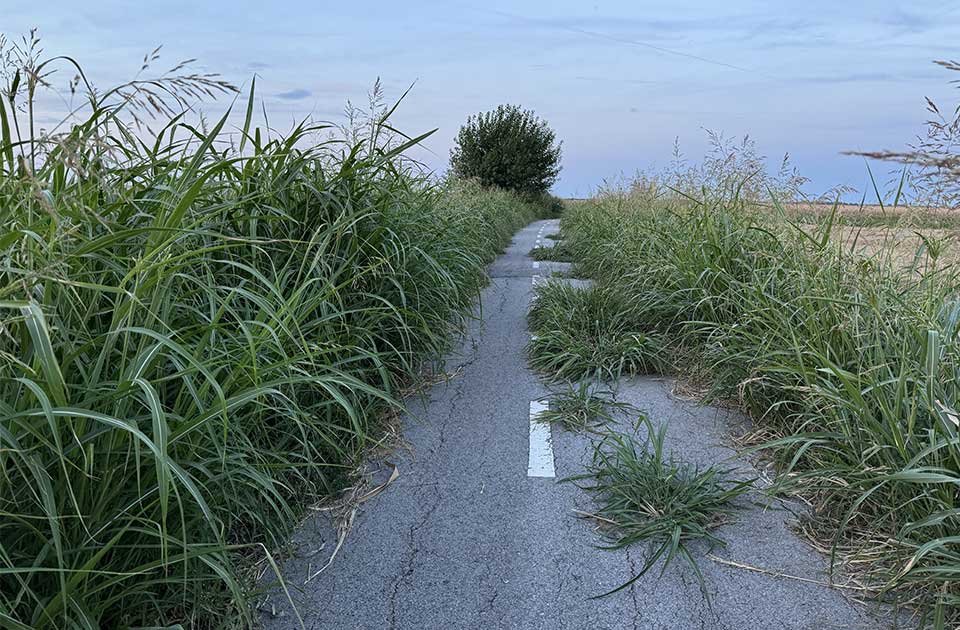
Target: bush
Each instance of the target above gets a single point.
(509, 147)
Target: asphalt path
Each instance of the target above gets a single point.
(474, 532)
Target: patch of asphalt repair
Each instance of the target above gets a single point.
(463, 538)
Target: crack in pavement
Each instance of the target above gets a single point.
(458, 393)
(633, 591)
(409, 559)
(561, 582)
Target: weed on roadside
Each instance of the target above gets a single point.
(588, 332)
(556, 253)
(583, 407)
(644, 495)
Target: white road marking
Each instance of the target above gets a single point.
(540, 462)
(536, 264)
(534, 280)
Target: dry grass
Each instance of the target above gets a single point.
(872, 211)
(870, 230)
(901, 242)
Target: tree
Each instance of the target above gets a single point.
(509, 147)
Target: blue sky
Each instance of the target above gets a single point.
(617, 80)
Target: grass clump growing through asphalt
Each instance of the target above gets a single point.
(645, 495)
(582, 407)
(589, 332)
(556, 253)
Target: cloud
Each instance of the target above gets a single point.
(723, 26)
(614, 81)
(904, 21)
(294, 95)
(855, 77)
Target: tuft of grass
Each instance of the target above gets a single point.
(646, 496)
(583, 407)
(556, 253)
(588, 332)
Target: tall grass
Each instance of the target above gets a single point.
(854, 362)
(591, 332)
(199, 334)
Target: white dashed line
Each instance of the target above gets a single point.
(536, 264)
(540, 462)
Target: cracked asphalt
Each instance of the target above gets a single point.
(464, 539)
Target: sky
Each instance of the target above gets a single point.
(618, 81)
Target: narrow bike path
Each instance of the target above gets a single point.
(466, 538)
